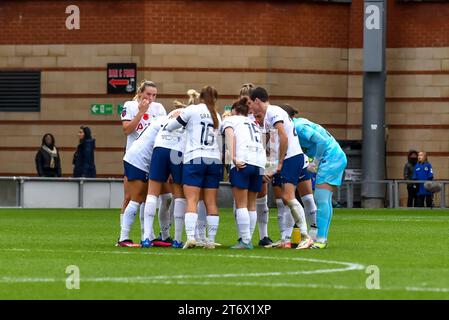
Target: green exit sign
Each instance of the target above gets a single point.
(101, 109)
(119, 108)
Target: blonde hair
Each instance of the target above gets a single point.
(142, 86)
(194, 97)
(209, 96)
(245, 90)
(178, 104)
(226, 114)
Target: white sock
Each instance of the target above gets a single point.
(212, 227)
(200, 230)
(234, 211)
(252, 222)
(190, 219)
(281, 212)
(171, 209)
(150, 213)
(310, 209)
(128, 219)
(289, 223)
(298, 215)
(242, 217)
(179, 212)
(262, 216)
(164, 215)
(142, 219)
(121, 220)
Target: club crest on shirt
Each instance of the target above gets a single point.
(145, 116)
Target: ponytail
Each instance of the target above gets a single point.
(194, 97)
(209, 96)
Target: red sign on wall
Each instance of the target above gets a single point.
(121, 78)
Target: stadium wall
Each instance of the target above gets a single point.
(306, 53)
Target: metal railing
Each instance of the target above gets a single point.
(27, 192)
(20, 182)
(14, 194)
(392, 194)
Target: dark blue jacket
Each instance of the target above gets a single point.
(84, 161)
(423, 171)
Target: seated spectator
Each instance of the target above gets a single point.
(48, 162)
(83, 159)
(423, 171)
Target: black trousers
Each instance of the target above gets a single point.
(421, 199)
(412, 190)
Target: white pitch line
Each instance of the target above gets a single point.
(417, 219)
(347, 266)
(238, 284)
(181, 279)
(443, 219)
(301, 285)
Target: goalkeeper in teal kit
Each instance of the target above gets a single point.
(329, 164)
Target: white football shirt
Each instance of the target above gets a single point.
(248, 140)
(276, 114)
(202, 140)
(130, 110)
(140, 152)
(173, 140)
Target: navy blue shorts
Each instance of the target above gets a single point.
(291, 169)
(276, 181)
(291, 172)
(202, 173)
(166, 162)
(305, 175)
(134, 173)
(249, 178)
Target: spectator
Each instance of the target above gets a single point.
(409, 169)
(423, 171)
(83, 159)
(48, 162)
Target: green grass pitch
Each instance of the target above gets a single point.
(410, 248)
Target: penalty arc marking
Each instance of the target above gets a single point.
(340, 267)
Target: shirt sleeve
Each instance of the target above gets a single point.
(174, 124)
(320, 142)
(127, 112)
(39, 167)
(186, 114)
(305, 131)
(275, 118)
(88, 158)
(227, 123)
(430, 174)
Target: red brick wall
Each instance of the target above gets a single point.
(418, 24)
(409, 24)
(188, 21)
(288, 23)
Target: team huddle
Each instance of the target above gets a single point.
(175, 163)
